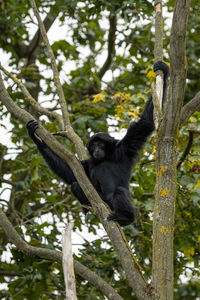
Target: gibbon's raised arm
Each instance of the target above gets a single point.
(139, 131)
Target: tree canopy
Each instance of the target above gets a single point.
(104, 55)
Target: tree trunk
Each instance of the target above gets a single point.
(163, 224)
(165, 190)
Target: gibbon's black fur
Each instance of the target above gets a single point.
(110, 163)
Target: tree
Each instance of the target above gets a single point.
(122, 268)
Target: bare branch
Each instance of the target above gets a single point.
(67, 262)
(189, 108)
(158, 48)
(111, 46)
(54, 66)
(35, 43)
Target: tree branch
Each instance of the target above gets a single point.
(111, 46)
(187, 149)
(158, 48)
(2, 180)
(9, 273)
(189, 108)
(54, 255)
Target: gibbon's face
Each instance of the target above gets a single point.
(98, 150)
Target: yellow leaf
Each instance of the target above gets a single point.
(197, 185)
(193, 119)
(189, 252)
(97, 98)
(187, 213)
(139, 95)
(127, 96)
(133, 114)
(151, 75)
(117, 95)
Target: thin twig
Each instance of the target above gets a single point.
(31, 100)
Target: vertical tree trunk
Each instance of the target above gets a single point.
(165, 195)
(165, 190)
